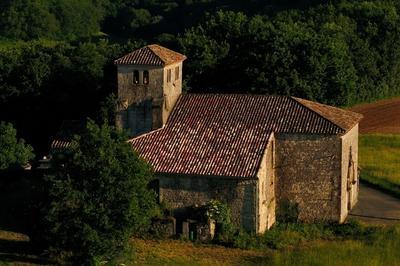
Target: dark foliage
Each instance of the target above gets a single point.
(43, 84)
(286, 235)
(340, 52)
(337, 54)
(97, 197)
(13, 151)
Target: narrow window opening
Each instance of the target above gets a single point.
(146, 77)
(176, 73)
(136, 77)
(169, 75)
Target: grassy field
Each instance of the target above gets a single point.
(380, 161)
(380, 248)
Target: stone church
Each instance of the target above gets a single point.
(253, 152)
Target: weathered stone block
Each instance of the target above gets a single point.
(164, 227)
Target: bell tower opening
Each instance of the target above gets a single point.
(149, 85)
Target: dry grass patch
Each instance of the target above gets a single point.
(13, 236)
(175, 252)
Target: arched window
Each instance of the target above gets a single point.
(145, 77)
(136, 77)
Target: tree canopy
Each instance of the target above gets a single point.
(322, 54)
(335, 52)
(13, 151)
(98, 196)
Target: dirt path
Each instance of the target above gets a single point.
(376, 207)
(380, 117)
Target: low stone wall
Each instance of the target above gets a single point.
(181, 192)
(164, 227)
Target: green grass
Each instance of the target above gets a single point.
(18, 193)
(340, 253)
(379, 247)
(379, 158)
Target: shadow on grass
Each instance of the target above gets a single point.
(19, 252)
(265, 259)
(19, 194)
(381, 184)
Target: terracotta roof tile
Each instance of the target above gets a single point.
(226, 135)
(343, 118)
(154, 55)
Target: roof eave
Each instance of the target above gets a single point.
(141, 65)
(344, 128)
(169, 174)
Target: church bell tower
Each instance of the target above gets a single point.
(149, 84)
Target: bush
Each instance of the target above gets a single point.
(351, 229)
(13, 151)
(220, 213)
(284, 235)
(288, 212)
(98, 197)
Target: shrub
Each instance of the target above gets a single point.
(350, 229)
(288, 212)
(284, 235)
(13, 151)
(220, 212)
(98, 197)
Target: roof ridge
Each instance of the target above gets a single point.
(296, 99)
(145, 134)
(272, 135)
(234, 94)
(151, 54)
(154, 53)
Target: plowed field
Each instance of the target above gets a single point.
(380, 117)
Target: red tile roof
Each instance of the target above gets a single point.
(343, 118)
(154, 55)
(59, 144)
(226, 135)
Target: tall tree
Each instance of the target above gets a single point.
(26, 19)
(13, 151)
(98, 196)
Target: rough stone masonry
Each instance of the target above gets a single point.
(253, 152)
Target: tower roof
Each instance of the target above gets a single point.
(154, 55)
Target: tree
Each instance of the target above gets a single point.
(98, 196)
(27, 19)
(338, 54)
(108, 109)
(77, 18)
(13, 151)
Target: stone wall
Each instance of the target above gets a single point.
(172, 90)
(266, 188)
(145, 107)
(350, 180)
(308, 171)
(180, 192)
(136, 93)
